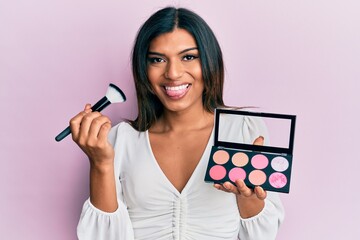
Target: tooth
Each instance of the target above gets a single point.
(177, 88)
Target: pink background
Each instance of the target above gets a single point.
(296, 57)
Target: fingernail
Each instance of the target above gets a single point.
(240, 183)
(259, 190)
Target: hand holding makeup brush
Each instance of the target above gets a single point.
(89, 131)
(250, 202)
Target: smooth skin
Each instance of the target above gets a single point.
(89, 130)
(182, 132)
(184, 129)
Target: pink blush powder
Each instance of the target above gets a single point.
(259, 161)
(237, 173)
(277, 180)
(217, 172)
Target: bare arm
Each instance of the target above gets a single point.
(89, 130)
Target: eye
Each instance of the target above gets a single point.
(189, 57)
(155, 60)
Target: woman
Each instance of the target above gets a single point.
(146, 176)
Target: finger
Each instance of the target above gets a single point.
(242, 188)
(221, 187)
(75, 123)
(230, 187)
(96, 126)
(260, 193)
(87, 108)
(259, 141)
(85, 126)
(104, 132)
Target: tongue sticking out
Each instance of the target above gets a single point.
(176, 92)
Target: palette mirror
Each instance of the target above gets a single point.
(277, 129)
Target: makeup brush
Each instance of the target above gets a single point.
(113, 95)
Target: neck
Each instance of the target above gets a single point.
(186, 120)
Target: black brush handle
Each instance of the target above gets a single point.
(98, 107)
(101, 104)
(63, 134)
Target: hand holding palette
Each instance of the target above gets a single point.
(234, 156)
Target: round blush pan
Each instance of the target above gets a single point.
(277, 180)
(240, 159)
(237, 173)
(259, 161)
(257, 177)
(221, 157)
(280, 164)
(217, 172)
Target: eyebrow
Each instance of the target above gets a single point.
(183, 51)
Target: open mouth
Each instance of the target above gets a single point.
(177, 91)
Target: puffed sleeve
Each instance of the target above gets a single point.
(265, 225)
(95, 224)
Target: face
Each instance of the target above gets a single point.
(174, 71)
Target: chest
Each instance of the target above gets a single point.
(178, 154)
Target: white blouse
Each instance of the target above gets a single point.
(150, 207)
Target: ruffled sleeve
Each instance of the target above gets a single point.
(95, 224)
(265, 225)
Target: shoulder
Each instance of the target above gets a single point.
(122, 129)
(242, 129)
(255, 127)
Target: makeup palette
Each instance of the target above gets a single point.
(235, 156)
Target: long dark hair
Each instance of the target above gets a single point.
(164, 21)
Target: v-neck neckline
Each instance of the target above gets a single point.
(163, 175)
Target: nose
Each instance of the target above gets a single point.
(174, 70)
